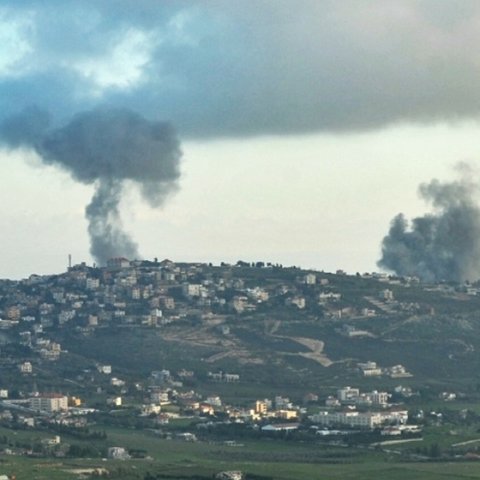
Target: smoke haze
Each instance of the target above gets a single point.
(105, 147)
(445, 244)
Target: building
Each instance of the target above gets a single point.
(191, 289)
(114, 401)
(386, 295)
(355, 419)
(92, 283)
(49, 402)
(379, 398)
(261, 407)
(347, 418)
(25, 367)
(233, 475)
(214, 401)
(370, 369)
(324, 297)
(296, 301)
(119, 262)
(286, 414)
(280, 427)
(106, 369)
(348, 394)
(310, 279)
(118, 453)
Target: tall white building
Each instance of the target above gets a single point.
(49, 402)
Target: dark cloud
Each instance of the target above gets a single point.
(443, 245)
(219, 68)
(26, 128)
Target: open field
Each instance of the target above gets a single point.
(274, 459)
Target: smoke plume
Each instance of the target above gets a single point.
(442, 245)
(105, 227)
(105, 147)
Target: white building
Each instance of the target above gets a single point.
(347, 418)
(106, 369)
(348, 394)
(233, 475)
(355, 419)
(49, 402)
(92, 283)
(324, 297)
(214, 400)
(118, 453)
(310, 279)
(25, 367)
(192, 289)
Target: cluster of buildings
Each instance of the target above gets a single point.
(355, 409)
(371, 369)
(152, 293)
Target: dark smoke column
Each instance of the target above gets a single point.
(105, 228)
(107, 147)
(443, 245)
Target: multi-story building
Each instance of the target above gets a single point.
(353, 418)
(348, 394)
(49, 402)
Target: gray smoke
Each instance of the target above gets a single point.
(25, 128)
(105, 147)
(442, 245)
(105, 227)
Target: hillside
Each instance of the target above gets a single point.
(276, 327)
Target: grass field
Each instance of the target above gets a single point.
(275, 459)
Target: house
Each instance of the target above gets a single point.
(187, 437)
(106, 369)
(310, 279)
(233, 475)
(114, 401)
(348, 395)
(324, 297)
(116, 382)
(214, 401)
(52, 441)
(118, 263)
(25, 367)
(286, 414)
(369, 369)
(118, 453)
(398, 371)
(296, 301)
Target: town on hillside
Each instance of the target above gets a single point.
(192, 352)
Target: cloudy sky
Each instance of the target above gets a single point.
(305, 125)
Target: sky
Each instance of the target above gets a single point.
(304, 127)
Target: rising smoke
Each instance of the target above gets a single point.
(106, 148)
(445, 244)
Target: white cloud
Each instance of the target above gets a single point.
(14, 41)
(122, 66)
